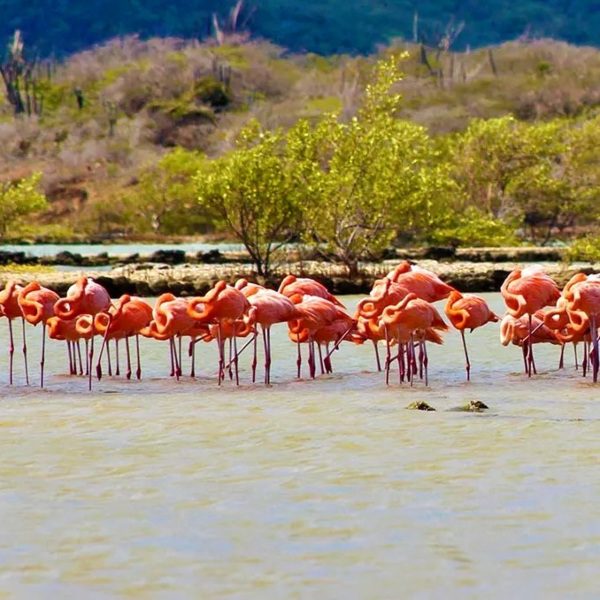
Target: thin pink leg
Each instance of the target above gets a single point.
(128, 357)
(43, 358)
(25, 353)
(11, 352)
(138, 371)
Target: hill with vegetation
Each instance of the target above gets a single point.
(492, 145)
(312, 25)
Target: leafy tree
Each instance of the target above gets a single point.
(363, 180)
(252, 193)
(165, 199)
(18, 199)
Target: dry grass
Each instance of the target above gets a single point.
(128, 84)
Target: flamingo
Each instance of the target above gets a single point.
(412, 316)
(67, 330)
(526, 291)
(315, 312)
(84, 297)
(124, 319)
(468, 312)
(295, 288)
(384, 293)
(170, 319)
(37, 305)
(268, 307)
(221, 304)
(9, 308)
(582, 293)
(425, 284)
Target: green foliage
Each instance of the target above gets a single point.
(252, 192)
(212, 92)
(165, 199)
(20, 199)
(365, 179)
(585, 249)
(473, 228)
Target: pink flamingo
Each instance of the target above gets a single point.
(37, 305)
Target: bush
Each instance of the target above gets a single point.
(586, 249)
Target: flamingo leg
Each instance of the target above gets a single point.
(575, 353)
(43, 358)
(25, 352)
(421, 359)
(377, 359)
(388, 357)
(236, 369)
(87, 357)
(321, 359)
(11, 352)
(467, 362)
(402, 364)
(561, 360)
(108, 359)
(311, 358)
(413, 365)
(254, 358)
(229, 366)
(529, 351)
(90, 362)
(266, 349)
(176, 367)
(584, 359)
(104, 345)
(128, 357)
(192, 353)
(70, 355)
(172, 354)
(268, 357)
(426, 362)
(138, 371)
(117, 366)
(221, 352)
(596, 358)
(299, 357)
(180, 365)
(327, 359)
(79, 357)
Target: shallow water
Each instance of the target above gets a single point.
(306, 489)
(114, 249)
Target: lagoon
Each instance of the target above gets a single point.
(306, 489)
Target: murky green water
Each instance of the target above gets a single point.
(324, 489)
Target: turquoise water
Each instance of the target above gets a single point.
(306, 489)
(114, 249)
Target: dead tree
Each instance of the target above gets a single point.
(20, 76)
(232, 29)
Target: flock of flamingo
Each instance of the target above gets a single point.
(399, 313)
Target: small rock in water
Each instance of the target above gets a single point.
(477, 406)
(419, 405)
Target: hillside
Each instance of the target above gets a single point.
(140, 99)
(322, 27)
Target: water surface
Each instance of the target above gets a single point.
(115, 249)
(305, 489)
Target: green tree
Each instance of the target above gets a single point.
(364, 180)
(252, 193)
(165, 199)
(18, 199)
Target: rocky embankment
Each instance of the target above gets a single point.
(466, 269)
